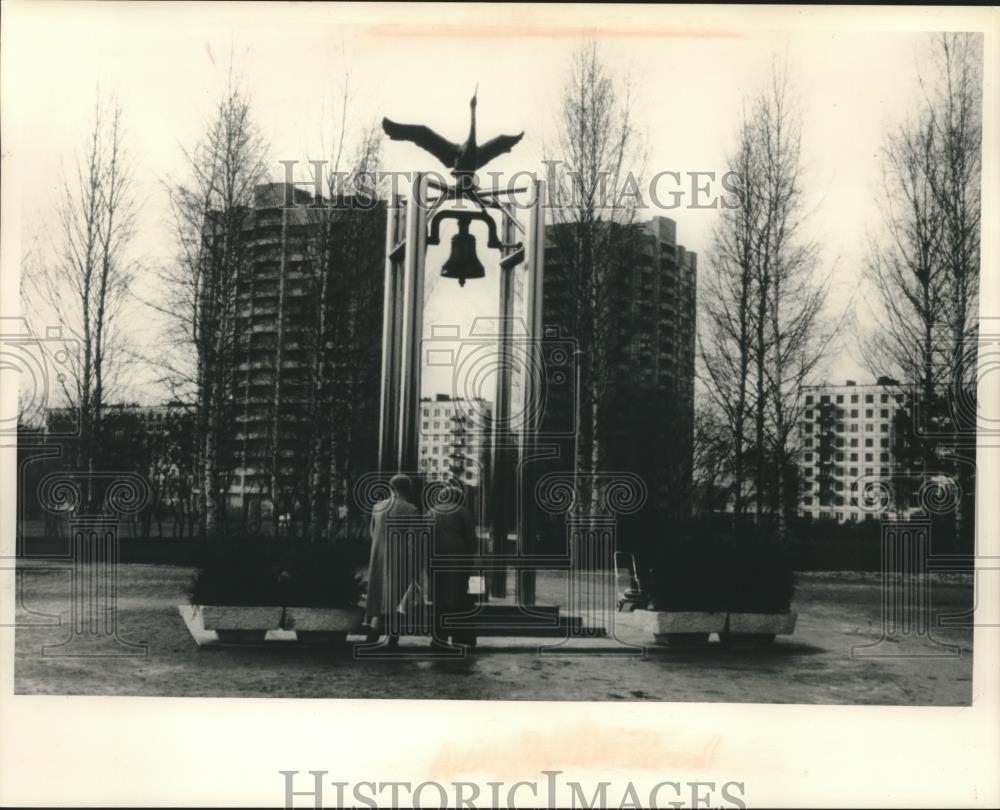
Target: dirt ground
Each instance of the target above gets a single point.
(815, 665)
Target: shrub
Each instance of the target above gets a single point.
(285, 573)
(759, 578)
(721, 574)
(320, 576)
(685, 575)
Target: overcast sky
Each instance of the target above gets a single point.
(168, 64)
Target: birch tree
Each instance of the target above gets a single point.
(345, 328)
(599, 154)
(86, 282)
(212, 205)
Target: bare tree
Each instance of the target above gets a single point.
(346, 271)
(956, 108)
(599, 158)
(726, 337)
(790, 342)
(86, 283)
(712, 467)
(955, 119)
(905, 266)
(760, 338)
(924, 264)
(212, 207)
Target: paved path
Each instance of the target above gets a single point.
(814, 665)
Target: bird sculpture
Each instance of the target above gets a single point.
(464, 159)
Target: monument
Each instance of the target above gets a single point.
(514, 445)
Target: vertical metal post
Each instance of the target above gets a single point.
(534, 267)
(391, 332)
(502, 473)
(413, 321)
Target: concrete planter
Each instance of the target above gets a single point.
(684, 628)
(323, 625)
(240, 625)
(756, 629)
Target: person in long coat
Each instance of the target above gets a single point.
(386, 588)
(454, 534)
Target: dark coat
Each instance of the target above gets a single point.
(454, 534)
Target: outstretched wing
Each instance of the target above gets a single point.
(424, 137)
(495, 147)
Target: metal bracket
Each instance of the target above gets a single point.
(434, 229)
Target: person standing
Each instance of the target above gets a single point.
(454, 535)
(385, 586)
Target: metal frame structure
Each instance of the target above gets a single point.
(408, 233)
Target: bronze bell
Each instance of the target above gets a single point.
(463, 262)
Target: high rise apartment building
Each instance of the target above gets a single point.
(847, 443)
(648, 348)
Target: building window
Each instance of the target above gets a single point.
(885, 398)
(854, 442)
(854, 456)
(869, 443)
(883, 457)
(854, 413)
(854, 427)
(840, 399)
(809, 456)
(884, 442)
(869, 413)
(885, 428)
(854, 470)
(854, 398)
(869, 456)
(809, 414)
(809, 399)
(869, 471)
(840, 456)
(869, 398)
(885, 413)
(869, 428)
